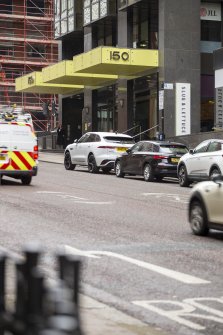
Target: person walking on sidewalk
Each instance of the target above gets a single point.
(60, 136)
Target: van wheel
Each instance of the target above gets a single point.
(26, 180)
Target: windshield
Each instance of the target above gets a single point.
(174, 149)
(119, 139)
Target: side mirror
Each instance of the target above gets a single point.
(217, 178)
(128, 151)
(75, 141)
(191, 151)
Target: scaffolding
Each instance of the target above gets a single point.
(26, 44)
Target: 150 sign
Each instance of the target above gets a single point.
(117, 55)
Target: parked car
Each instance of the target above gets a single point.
(201, 163)
(97, 150)
(151, 159)
(205, 206)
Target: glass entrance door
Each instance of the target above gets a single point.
(105, 118)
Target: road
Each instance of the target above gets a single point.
(133, 237)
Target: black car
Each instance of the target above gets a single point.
(151, 159)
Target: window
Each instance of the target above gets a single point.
(202, 147)
(6, 7)
(136, 147)
(147, 147)
(83, 138)
(214, 146)
(175, 149)
(117, 139)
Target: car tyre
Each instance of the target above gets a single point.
(182, 176)
(148, 173)
(67, 162)
(198, 218)
(213, 173)
(26, 180)
(92, 166)
(118, 170)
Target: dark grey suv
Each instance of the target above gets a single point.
(151, 159)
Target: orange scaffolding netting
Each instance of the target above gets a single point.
(26, 44)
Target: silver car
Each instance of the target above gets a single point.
(206, 206)
(201, 163)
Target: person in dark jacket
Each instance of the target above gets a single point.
(60, 136)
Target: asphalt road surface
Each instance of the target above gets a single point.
(133, 237)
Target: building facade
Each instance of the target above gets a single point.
(26, 44)
(142, 66)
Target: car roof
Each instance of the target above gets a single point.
(103, 133)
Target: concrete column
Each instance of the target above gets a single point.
(123, 99)
(87, 113)
(179, 56)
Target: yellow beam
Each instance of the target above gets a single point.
(118, 61)
(33, 83)
(62, 73)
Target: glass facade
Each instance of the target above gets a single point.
(211, 39)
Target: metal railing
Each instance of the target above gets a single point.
(40, 308)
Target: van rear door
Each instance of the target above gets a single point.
(5, 143)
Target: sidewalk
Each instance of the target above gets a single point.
(98, 318)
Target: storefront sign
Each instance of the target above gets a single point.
(161, 99)
(219, 108)
(183, 109)
(210, 11)
(30, 80)
(117, 55)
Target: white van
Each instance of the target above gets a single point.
(18, 151)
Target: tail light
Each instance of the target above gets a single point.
(35, 152)
(159, 157)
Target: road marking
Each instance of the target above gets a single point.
(70, 250)
(172, 197)
(179, 276)
(186, 310)
(76, 199)
(48, 192)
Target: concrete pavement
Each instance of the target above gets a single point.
(96, 317)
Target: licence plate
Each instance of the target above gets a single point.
(175, 160)
(121, 149)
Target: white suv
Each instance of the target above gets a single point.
(96, 150)
(201, 163)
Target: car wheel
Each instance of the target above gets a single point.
(106, 170)
(92, 166)
(67, 162)
(148, 173)
(118, 170)
(198, 218)
(182, 176)
(214, 173)
(26, 180)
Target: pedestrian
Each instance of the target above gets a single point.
(60, 136)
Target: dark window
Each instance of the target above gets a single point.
(6, 7)
(173, 149)
(147, 146)
(91, 138)
(210, 31)
(35, 8)
(121, 139)
(214, 146)
(136, 147)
